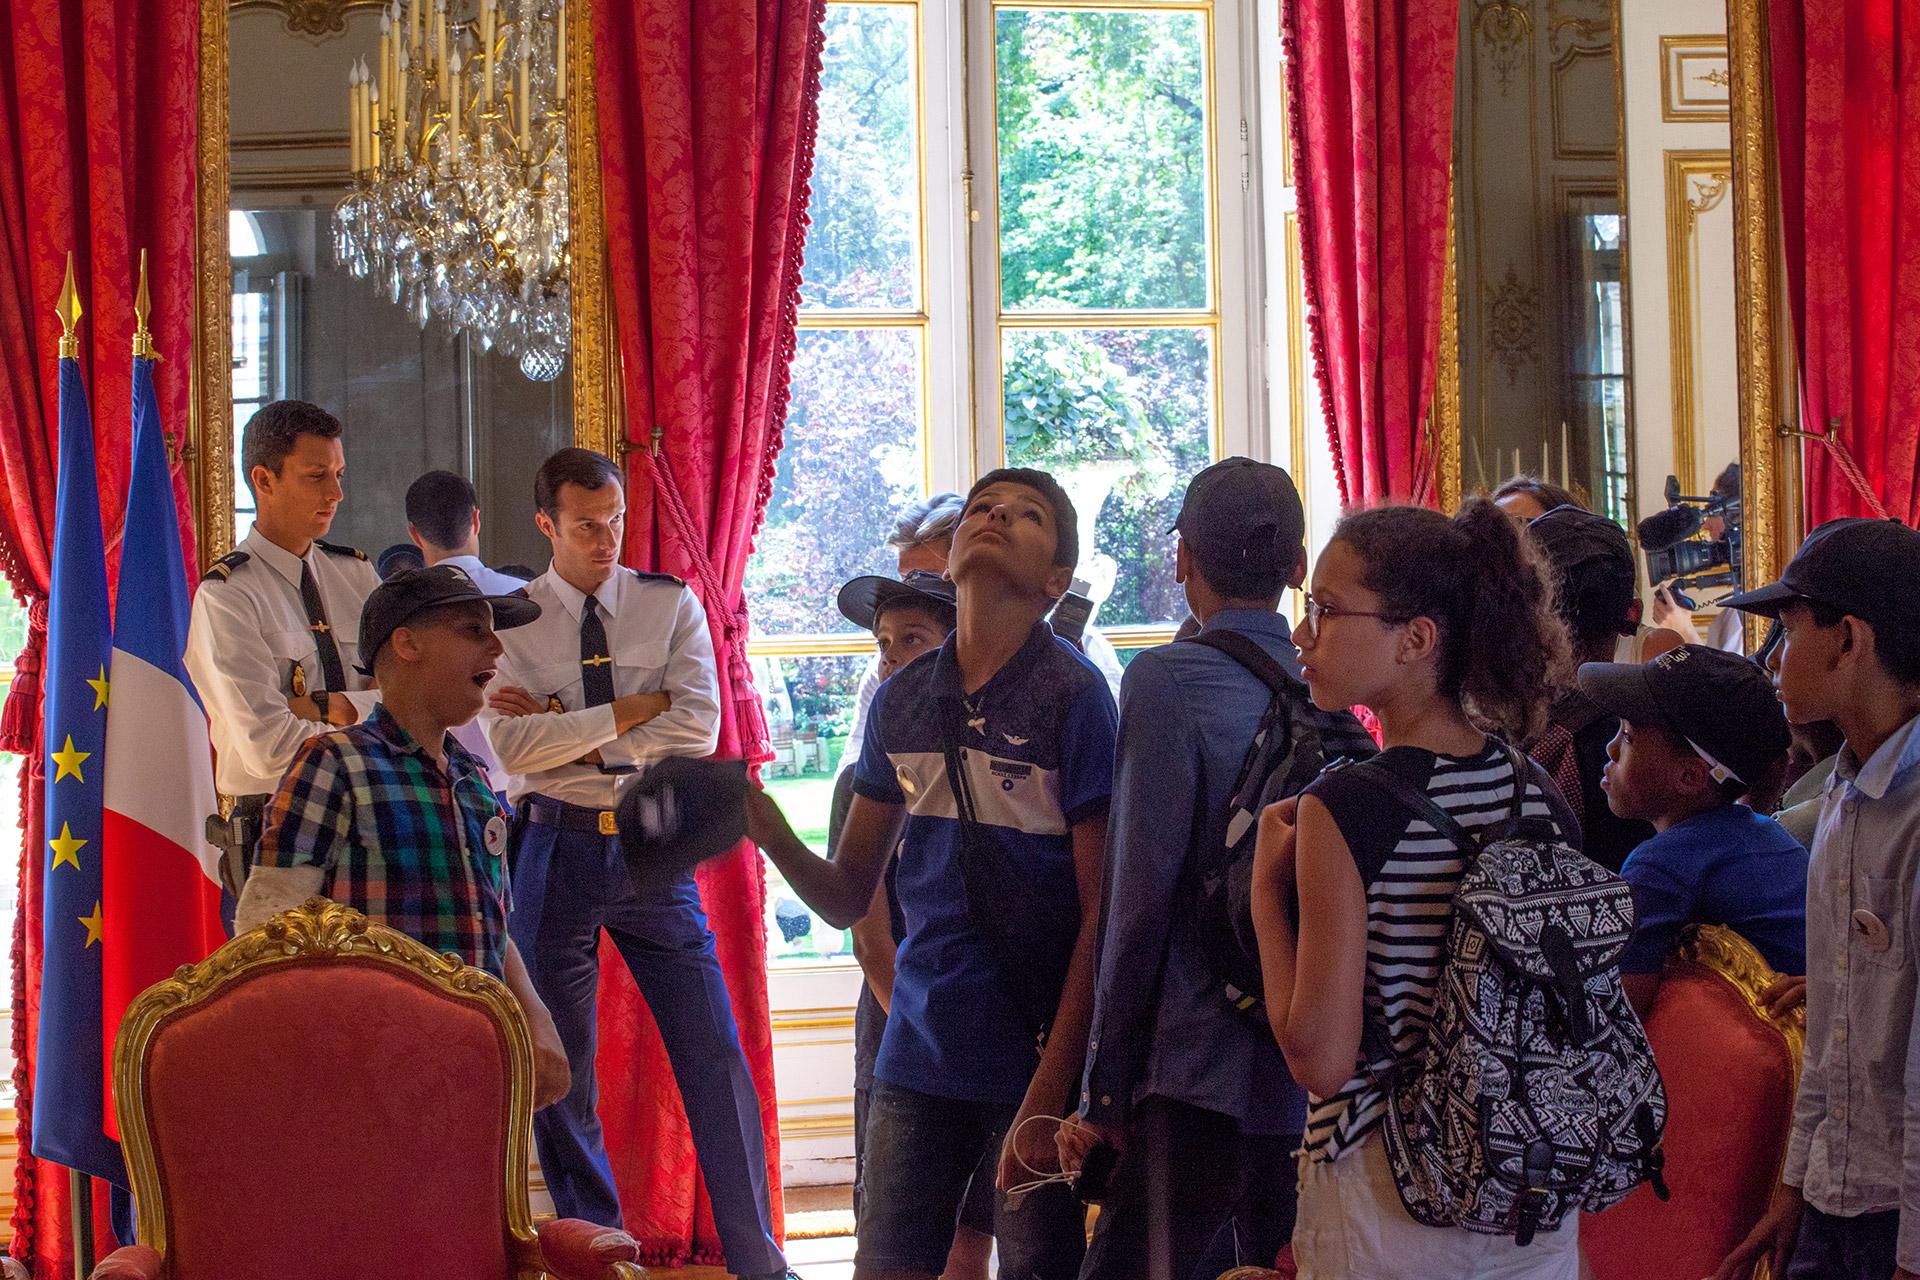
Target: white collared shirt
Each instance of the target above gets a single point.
(248, 631)
(491, 581)
(657, 632)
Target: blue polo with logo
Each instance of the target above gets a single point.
(1037, 744)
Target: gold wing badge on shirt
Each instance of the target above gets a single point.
(296, 678)
(553, 703)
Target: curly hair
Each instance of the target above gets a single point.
(1502, 648)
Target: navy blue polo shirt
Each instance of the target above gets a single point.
(1037, 740)
(1728, 866)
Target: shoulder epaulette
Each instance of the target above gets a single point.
(220, 570)
(657, 577)
(337, 549)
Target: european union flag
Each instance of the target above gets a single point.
(69, 1105)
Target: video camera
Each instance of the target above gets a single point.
(1673, 560)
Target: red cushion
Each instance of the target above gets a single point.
(1729, 1079)
(319, 1120)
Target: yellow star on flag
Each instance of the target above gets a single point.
(96, 927)
(99, 690)
(66, 848)
(69, 760)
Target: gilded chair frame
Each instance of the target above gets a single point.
(595, 351)
(1770, 478)
(1718, 950)
(323, 929)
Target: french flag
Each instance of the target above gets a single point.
(160, 896)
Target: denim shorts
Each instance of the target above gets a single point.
(921, 1152)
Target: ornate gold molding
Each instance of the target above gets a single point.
(318, 20)
(1446, 441)
(1506, 28)
(318, 930)
(1682, 58)
(210, 453)
(1696, 183)
(1513, 322)
(595, 345)
(1757, 332)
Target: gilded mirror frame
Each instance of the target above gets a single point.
(1769, 470)
(209, 453)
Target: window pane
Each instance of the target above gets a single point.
(1124, 417)
(864, 246)
(851, 458)
(1102, 123)
(809, 704)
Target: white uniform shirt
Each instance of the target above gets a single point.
(491, 581)
(248, 629)
(657, 631)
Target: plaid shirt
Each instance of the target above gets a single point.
(369, 807)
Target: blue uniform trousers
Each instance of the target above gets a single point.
(567, 886)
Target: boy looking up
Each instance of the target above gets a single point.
(1849, 1200)
(997, 756)
(1699, 728)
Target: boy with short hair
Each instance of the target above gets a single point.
(996, 755)
(1699, 728)
(1192, 1094)
(1849, 1201)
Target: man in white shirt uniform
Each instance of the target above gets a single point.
(618, 672)
(443, 519)
(273, 643)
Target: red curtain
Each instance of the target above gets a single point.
(1370, 97)
(1846, 81)
(97, 156)
(707, 112)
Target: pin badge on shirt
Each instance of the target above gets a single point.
(496, 836)
(553, 703)
(1872, 930)
(297, 677)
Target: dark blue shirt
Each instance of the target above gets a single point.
(1728, 866)
(1037, 744)
(1161, 1024)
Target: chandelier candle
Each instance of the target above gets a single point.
(458, 210)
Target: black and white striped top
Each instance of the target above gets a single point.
(1410, 873)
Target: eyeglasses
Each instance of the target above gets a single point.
(1318, 612)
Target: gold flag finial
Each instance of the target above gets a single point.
(142, 337)
(68, 309)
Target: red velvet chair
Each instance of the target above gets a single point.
(1730, 1072)
(325, 1097)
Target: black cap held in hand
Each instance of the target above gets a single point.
(678, 814)
(1867, 568)
(1722, 703)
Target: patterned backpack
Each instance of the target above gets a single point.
(1536, 1092)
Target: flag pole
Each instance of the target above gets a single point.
(142, 337)
(80, 1186)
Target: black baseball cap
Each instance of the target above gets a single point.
(1723, 704)
(862, 599)
(1853, 564)
(679, 813)
(1243, 513)
(410, 592)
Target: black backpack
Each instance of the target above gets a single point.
(1536, 1093)
(1295, 741)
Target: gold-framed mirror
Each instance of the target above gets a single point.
(414, 393)
(1703, 365)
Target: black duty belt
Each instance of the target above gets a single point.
(549, 812)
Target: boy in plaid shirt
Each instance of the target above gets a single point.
(392, 816)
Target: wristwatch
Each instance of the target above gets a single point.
(320, 702)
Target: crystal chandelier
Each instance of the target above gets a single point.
(459, 152)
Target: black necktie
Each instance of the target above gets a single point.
(331, 672)
(596, 663)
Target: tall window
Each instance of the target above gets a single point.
(1022, 252)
